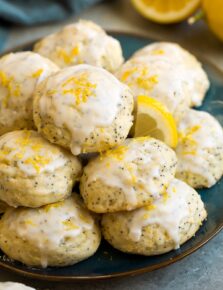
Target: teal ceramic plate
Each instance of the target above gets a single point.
(108, 262)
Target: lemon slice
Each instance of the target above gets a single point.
(166, 11)
(153, 119)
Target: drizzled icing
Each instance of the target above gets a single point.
(169, 50)
(198, 133)
(193, 73)
(52, 225)
(82, 98)
(86, 36)
(166, 212)
(82, 42)
(19, 74)
(97, 43)
(154, 77)
(134, 166)
(30, 153)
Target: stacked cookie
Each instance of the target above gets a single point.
(145, 209)
(54, 228)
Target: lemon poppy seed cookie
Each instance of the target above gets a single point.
(20, 72)
(195, 76)
(58, 234)
(158, 79)
(82, 42)
(84, 109)
(159, 227)
(34, 172)
(200, 149)
(128, 176)
(14, 286)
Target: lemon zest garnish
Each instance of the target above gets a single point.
(12, 87)
(147, 83)
(146, 216)
(142, 80)
(70, 225)
(37, 161)
(103, 145)
(129, 167)
(187, 138)
(128, 73)
(67, 56)
(5, 150)
(36, 146)
(48, 207)
(116, 153)
(158, 51)
(64, 55)
(150, 207)
(37, 73)
(4, 79)
(75, 51)
(165, 196)
(25, 140)
(81, 88)
(3, 153)
(102, 130)
(30, 222)
(19, 155)
(194, 129)
(174, 189)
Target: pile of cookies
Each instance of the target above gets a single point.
(66, 111)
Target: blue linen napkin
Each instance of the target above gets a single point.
(30, 12)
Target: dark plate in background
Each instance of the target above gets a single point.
(108, 262)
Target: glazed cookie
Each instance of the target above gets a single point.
(34, 172)
(159, 227)
(82, 42)
(14, 286)
(159, 79)
(195, 76)
(200, 149)
(84, 109)
(20, 72)
(59, 234)
(128, 176)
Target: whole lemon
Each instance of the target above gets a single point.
(213, 10)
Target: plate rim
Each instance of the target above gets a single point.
(146, 269)
(130, 273)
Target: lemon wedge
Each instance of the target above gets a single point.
(153, 119)
(166, 11)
